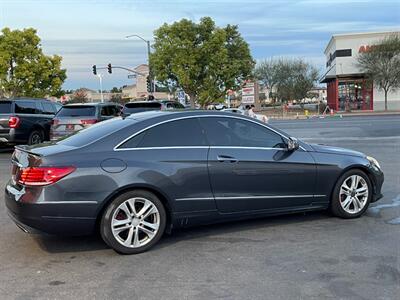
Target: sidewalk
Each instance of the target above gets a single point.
(302, 116)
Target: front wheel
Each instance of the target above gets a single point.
(351, 195)
(133, 222)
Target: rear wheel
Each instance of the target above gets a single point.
(133, 222)
(352, 195)
(36, 137)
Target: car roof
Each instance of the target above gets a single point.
(92, 104)
(26, 98)
(172, 114)
(152, 101)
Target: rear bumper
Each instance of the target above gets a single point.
(52, 217)
(13, 137)
(5, 138)
(56, 135)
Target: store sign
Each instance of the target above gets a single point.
(248, 99)
(365, 48)
(248, 91)
(181, 97)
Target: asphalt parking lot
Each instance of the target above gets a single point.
(303, 256)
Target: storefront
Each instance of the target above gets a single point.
(347, 88)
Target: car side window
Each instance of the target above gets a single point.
(239, 133)
(57, 106)
(179, 133)
(115, 110)
(25, 107)
(48, 108)
(106, 111)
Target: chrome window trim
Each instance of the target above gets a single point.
(116, 148)
(160, 148)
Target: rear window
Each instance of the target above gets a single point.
(26, 107)
(141, 106)
(77, 111)
(95, 132)
(5, 107)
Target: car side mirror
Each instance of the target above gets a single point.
(292, 144)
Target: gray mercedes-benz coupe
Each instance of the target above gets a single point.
(134, 178)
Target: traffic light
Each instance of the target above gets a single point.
(109, 68)
(94, 70)
(149, 84)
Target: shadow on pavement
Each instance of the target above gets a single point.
(60, 244)
(217, 231)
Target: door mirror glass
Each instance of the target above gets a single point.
(292, 144)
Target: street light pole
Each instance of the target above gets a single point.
(101, 87)
(148, 50)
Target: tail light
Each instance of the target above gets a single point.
(13, 122)
(87, 122)
(39, 176)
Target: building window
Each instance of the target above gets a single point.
(343, 53)
(354, 95)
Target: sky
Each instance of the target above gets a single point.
(92, 32)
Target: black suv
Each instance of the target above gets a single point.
(26, 121)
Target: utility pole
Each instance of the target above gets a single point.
(101, 87)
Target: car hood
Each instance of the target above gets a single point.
(335, 150)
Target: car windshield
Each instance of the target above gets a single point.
(5, 107)
(95, 132)
(77, 111)
(133, 107)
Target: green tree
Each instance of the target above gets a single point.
(287, 79)
(116, 90)
(24, 69)
(202, 59)
(381, 63)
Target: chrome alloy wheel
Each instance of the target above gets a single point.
(135, 222)
(353, 194)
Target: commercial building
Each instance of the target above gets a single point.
(138, 90)
(347, 87)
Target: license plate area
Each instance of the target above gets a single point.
(70, 127)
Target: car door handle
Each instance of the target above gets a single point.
(227, 158)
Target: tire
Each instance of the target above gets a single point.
(348, 201)
(36, 137)
(132, 234)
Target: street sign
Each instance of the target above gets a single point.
(248, 93)
(181, 97)
(131, 76)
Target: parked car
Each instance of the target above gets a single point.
(26, 120)
(140, 106)
(240, 111)
(134, 178)
(74, 117)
